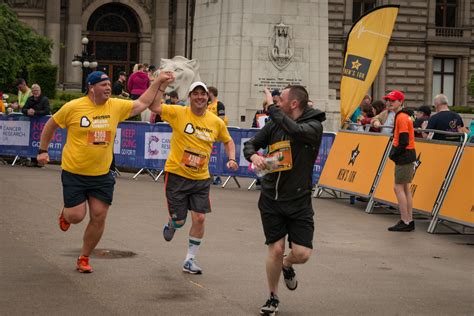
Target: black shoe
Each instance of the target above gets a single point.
(402, 227)
(290, 278)
(271, 306)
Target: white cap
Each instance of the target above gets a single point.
(196, 84)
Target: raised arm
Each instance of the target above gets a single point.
(46, 136)
(151, 98)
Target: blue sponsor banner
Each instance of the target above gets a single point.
(324, 149)
(137, 145)
(20, 135)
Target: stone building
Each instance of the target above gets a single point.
(431, 50)
(244, 45)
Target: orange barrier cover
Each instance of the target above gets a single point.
(459, 201)
(353, 162)
(432, 164)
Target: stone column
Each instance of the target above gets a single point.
(240, 52)
(463, 97)
(74, 46)
(160, 32)
(145, 48)
(53, 30)
(429, 80)
(381, 80)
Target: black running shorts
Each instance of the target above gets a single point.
(293, 218)
(184, 194)
(77, 188)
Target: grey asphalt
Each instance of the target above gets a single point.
(357, 267)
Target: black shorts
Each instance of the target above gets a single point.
(293, 218)
(184, 194)
(77, 188)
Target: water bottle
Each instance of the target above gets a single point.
(271, 163)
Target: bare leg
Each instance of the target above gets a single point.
(298, 255)
(95, 228)
(76, 214)
(409, 198)
(402, 202)
(197, 227)
(274, 264)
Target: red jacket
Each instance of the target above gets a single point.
(138, 82)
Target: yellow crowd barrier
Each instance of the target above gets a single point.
(354, 162)
(458, 205)
(431, 168)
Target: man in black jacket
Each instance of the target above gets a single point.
(293, 135)
(37, 104)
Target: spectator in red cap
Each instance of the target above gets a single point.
(394, 101)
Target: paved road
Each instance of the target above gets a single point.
(358, 266)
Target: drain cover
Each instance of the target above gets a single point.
(112, 254)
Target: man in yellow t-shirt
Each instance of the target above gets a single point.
(91, 124)
(187, 179)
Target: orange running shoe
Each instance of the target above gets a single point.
(83, 265)
(63, 224)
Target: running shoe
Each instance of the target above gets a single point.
(402, 227)
(83, 265)
(63, 224)
(190, 266)
(168, 231)
(290, 278)
(271, 306)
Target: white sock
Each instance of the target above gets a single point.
(193, 247)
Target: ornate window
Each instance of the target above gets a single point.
(444, 74)
(446, 13)
(359, 7)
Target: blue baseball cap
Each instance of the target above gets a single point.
(96, 77)
(275, 92)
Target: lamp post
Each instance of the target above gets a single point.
(86, 61)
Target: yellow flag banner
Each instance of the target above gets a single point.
(366, 44)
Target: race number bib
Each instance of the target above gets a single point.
(281, 152)
(99, 137)
(194, 159)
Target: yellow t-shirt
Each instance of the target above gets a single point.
(90, 133)
(212, 107)
(191, 141)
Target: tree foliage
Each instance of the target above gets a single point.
(471, 86)
(20, 46)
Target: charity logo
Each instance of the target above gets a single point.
(354, 155)
(356, 67)
(153, 145)
(85, 122)
(189, 129)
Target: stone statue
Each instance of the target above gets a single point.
(185, 72)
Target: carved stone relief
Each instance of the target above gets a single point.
(280, 49)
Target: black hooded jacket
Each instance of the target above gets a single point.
(305, 136)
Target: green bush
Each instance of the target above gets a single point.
(462, 109)
(20, 46)
(69, 95)
(45, 75)
(55, 105)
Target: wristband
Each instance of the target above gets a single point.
(233, 160)
(42, 151)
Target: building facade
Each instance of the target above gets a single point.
(431, 49)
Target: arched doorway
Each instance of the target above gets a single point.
(114, 38)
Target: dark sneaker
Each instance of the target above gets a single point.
(290, 278)
(217, 181)
(168, 231)
(402, 227)
(190, 266)
(271, 306)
